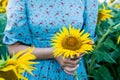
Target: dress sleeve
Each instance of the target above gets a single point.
(17, 29)
(90, 17)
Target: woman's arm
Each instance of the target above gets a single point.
(68, 65)
(17, 30)
(40, 53)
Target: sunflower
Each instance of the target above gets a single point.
(118, 41)
(117, 6)
(2, 10)
(20, 62)
(71, 42)
(104, 14)
(111, 2)
(3, 5)
(2, 79)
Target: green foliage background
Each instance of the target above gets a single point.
(3, 48)
(104, 62)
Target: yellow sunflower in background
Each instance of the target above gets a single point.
(111, 2)
(71, 42)
(104, 14)
(118, 41)
(117, 6)
(114, 4)
(3, 5)
(20, 63)
(2, 10)
(2, 79)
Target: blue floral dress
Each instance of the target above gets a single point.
(34, 22)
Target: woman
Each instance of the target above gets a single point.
(34, 22)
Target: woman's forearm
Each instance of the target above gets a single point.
(40, 53)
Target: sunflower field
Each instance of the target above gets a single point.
(3, 20)
(104, 62)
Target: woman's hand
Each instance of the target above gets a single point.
(91, 42)
(68, 65)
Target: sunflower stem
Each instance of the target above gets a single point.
(103, 37)
(91, 63)
(107, 32)
(76, 76)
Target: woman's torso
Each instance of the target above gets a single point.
(46, 17)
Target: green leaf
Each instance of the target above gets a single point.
(3, 20)
(109, 44)
(110, 21)
(118, 69)
(96, 75)
(115, 54)
(99, 55)
(116, 26)
(99, 31)
(3, 62)
(102, 74)
(1, 45)
(108, 58)
(3, 51)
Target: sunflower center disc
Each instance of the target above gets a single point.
(71, 42)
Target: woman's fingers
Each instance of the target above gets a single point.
(81, 54)
(68, 64)
(91, 42)
(72, 62)
(70, 73)
(75, 58)
(70, 70)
